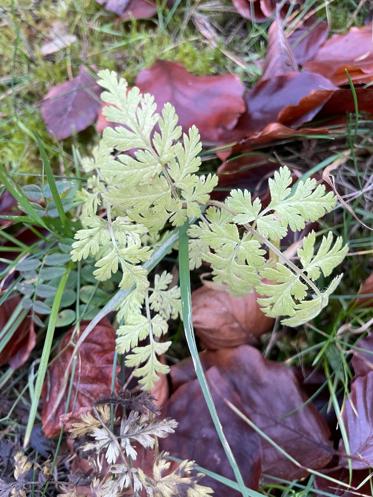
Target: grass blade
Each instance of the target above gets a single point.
(45, 355)
(21, 198)
(50, 177)
(186, 308)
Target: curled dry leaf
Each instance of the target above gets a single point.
(261, 10)
(273, 105)
(274, 132)
(131, 9)
(280, 58)
(358, 419)
(92, 376)
(362, 359)
(195, 437)
(271, 398)
(342, 102)
(352, 51)
(212, 103)
(222, 320)
(21, 344)
(290, 99)
(306, 40)
(72, 106)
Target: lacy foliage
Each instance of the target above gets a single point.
(113, 449)
(143, 178)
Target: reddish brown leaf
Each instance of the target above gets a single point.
(222, 320)
(306, 40)
(92, 378)
(249, 171)
(260, 10)
(270, 396)
(358, 418)
(290, 99)
(274, 132)
(366, 289)
(131, 9)
(19, 347)
(196, 438)
(342, 475)
(280, 58)
(72, 106)
(352, 51)
(272, 399)
(362, 359)
(212, 103)
(342, 102)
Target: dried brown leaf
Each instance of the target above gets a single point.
(92, 377)
(21, 344)
(352, 51)
(195, 437)
(72, 106)
(358, 419)
(222, 320)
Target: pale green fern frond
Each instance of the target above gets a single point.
(146, 364)
(292, 209)
(286, 291)
(240, 203)
(327, 258)
(131, 333)
(309, 309)
(89, 240)
(164, 299)
(144, 178)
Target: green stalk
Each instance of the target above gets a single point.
(186, 309)
(45, 355)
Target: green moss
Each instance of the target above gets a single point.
(341, 13)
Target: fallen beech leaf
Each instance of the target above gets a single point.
(72, 106)
(222, 320)
(352, 51)
(92, 378)
(58, 39)
(362, 359)
(342, 102)
(274, 132)
(306, 40)
(261, 10)
(249, 171)
(270, 396)
(272, 399)
(342, 475)
(212, 103)
(195, 437)
(290, 99)
(366, 289)
(19, 347)
(131, 9)
(358, 418)
(280, 58)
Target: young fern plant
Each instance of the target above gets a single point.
(143, 179)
